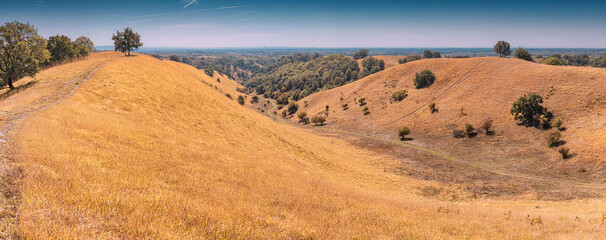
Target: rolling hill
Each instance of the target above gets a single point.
(136, 147)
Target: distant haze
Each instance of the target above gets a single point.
(325, 24)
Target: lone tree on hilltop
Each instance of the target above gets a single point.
(502, 48)
(22, 51)
(362, 53)
(528, 108)
(436, 54)
(127, 41)
(427, 54)
(522, 53)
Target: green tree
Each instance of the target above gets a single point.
(522, 53)
(436, 54)
(528, 108)
(22, 51)
(427, 54)
(403, 131)
(553, 61)
(424, 79)
(174, 57)
(127, 41)
(241, 100)
(362, 53)
(292, 108)
(598, 62)
(318, 120)
(61, 48)
(84, 46)
(502, 48)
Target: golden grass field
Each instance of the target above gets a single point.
(146, 149)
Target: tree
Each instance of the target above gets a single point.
(436, 54)
(424, 79)
(84, 46)
(22, 51)
(528, 108)
(598, 62)
(522, 53)
(502, 48)
(362, 53)
(175, 58)
(292, 108)
(318, 120)
(399, 95)
(427, 54)
(553, 61)
(127, 41)
(60, 48)
(403, 131)
(241, 100)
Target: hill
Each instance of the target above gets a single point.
(469, 91)
(143, 148)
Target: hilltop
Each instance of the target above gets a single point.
(136, 147)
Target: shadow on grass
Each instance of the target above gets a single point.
(406, 139)
(17, 90)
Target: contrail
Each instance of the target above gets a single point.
(190, 3)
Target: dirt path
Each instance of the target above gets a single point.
(9, 170)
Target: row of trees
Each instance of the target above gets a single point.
(23, 51)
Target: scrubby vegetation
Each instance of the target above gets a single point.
(469, 130)
(522, 53)
(241, 100)
(174, 57)
(486, 125)
(362, 53)
(371, 65)
(432, 107)
(399, 95)
(410, 58)
(292, 108)
(318, 120)
(303, 118)
(403, 131)
(430, 54)
(254, 100)
(565, 151)
(365, 111)
(424, 79)
(345, 106)
(528, 109)
(553, 139)
(552, 61)
(362, 101)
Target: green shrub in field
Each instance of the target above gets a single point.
(424, 79)
(318, 120)
(399, 95)
(403, 131)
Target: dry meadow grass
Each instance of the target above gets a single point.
(146, 150)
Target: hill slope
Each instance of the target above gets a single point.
(471, 90)
(144, 149)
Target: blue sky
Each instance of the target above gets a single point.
(314, 23)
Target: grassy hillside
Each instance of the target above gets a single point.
(144, 149)
(471, 90)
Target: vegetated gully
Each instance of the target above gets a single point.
(478, 179)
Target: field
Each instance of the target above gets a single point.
(147, 149)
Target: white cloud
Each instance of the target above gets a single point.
(190, 3)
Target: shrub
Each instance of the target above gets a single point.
(399, 95)
(424, 79)
(229, 96)
(362, 101)
(427, 54)
(432, 107)
(254, 99)
(543, 122)
(486, 125)
(209, 71)
(218, 80)
(303, 118)
(292, 108)
(241, 100)
(558, 123)
(284, 113)
(565, 151)
(522, 53)
(553, 139)
(174, 58)
(469, 130)
(403, 131)
(553, 61)
(318, 120)
(345, 106)
(527, 108)
(362, 53)
(598, 62)
(365, 111)
(456, 133)
(539, 56)
(436, 54)
(502, 48)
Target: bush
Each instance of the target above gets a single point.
(218, 80)
(598, 62)
(399, 95)
(254, 100)
(241, 100)
(527, 108)
(362, 53)
(174, 58)
(209, 71)
(486, 125)
(456, 133)
(318, 120)
(229, 96)
(553, 61)
(345, 106)
(427, 54)
(565, 152)
(436, 54)
(558, 123)
(522, 53)
(403, 131)
(553, 139)
(469, 130)
(303, 118)
(424, 79)
(362, 101)
(365, 111)
(543, 122)
(292, 108)
(432, 107)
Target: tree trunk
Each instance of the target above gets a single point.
(10, 83)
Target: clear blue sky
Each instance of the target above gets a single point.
(315, 23)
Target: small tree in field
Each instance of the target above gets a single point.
(318, 120)
(127, 41)
(502, 48)
(528, 108)
(292, 108)
(175, 58)
(553, 61)
(241, 100)
(424, 79)
(486, 125)
(522, 53)
(360, 54)
(403, 131)
(427, 54)
(22, 51)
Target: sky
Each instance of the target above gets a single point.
(321, 23)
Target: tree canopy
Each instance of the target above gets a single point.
(61, 48)
(371, 65)
(22, 51)
(528, 108)
(84, 46)
(424, 79)
(127, 41)
(362, 53)
(522, 53)
(552, 61)
(502, 48)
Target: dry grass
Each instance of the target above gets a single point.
(145, 150)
